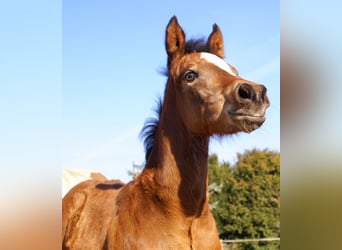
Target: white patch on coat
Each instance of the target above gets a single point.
(211, 58)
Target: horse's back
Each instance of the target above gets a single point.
(87, 212)
(72, 177)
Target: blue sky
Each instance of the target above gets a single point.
(111, 57)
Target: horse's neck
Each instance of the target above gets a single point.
(179, 162)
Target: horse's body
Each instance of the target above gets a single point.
(166, 206)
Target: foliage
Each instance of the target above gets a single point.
(136, 170)
(245, 198)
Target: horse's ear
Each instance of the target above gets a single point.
(175, 39)
(215, 42)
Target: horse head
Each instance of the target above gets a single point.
(211, 97)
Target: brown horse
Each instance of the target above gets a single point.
(71, 177)
(166, 206)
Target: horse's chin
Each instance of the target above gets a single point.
(250, 123)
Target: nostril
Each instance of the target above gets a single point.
(263, 92)
(245, 91)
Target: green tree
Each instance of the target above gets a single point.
(136, 170)
(247, 205)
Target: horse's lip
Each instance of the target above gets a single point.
(251, 117)
(248, 122)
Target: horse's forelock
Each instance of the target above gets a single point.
(196, 45)
(191, 46)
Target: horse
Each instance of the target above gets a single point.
(166, 206)
(71, 177)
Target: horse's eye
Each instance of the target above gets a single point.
(190, 76)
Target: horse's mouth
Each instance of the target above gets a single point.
(248, 122)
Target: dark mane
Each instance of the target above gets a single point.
(196, 45)
(149, 130)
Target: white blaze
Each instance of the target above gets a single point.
(218, 62)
